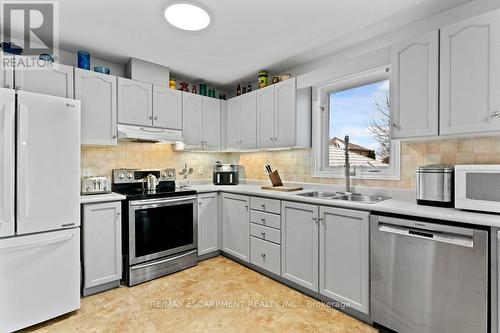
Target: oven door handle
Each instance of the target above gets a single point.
(160, 201)
(154, 263)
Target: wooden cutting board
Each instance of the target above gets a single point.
(282, 188)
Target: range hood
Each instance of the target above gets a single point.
(148, 134)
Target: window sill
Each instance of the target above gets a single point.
(362, 175)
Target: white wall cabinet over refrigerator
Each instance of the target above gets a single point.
(470, 76)
(101, 246)
(299, 244)
(236, 226)
(97, 93)
(208, 218)
(414, 87)
(54, 81)
(135, 102)
(344, 278)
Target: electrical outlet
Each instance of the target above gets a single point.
(200, 170)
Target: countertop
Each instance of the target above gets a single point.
(404, 205)
(94, 198)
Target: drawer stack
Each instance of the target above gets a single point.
(265, 234)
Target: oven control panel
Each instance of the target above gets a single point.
(123, 176)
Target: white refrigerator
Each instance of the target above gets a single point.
(39, 208)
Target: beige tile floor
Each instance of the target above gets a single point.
(254, 303)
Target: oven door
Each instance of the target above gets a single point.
(161, 227)
(476, 187)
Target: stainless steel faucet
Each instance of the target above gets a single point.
(347, 166)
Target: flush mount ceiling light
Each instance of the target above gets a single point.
(187, 16)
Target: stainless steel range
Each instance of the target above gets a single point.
(159, 224)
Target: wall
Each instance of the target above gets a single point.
(149, 155)
(295, 165)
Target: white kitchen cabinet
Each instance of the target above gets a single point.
(470, 76)
(6, 77)
(299, 244)
(101, 246)
(207, 223)
(248, 134)
(167, 108)
(192, 120)
(236, 226)
(414, 86)
(135, 102)
(56, 81)
(344, 278)
(265, 117)
(233, 124)
(285, 114)
(97, 93)
(211, 123)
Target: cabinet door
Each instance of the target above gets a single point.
(299, 244)
(249, 120)
(344, 278)
(236, 226)
(233, 123)
(167, 108)
(57, 81)
(470, 75)
(192, 120)
(207, 223)
(211, 123)
(285, 114)
(135, 102)
(102, 243)
(414, 87)
(6, 76)
(97, 93)
(265, 117)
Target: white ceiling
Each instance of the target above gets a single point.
(244, 37)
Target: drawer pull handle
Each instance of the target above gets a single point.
(263, 206)
(263, 234)
(263, 256)
(263, 220)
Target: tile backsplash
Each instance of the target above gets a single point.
(293, 165)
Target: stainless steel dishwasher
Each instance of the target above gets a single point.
(428, 277)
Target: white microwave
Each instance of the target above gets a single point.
(477, 187)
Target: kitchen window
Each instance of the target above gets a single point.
(357, 106)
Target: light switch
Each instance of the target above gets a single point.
(200, 170)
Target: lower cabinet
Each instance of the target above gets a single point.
(299, 244)
(101, 246)
(207, 223)
(344, 256)
(236, 226)
(266, 255)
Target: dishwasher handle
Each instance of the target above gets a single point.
(437, 236)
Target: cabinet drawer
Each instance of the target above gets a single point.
(269, 220)
(265, 233)
(266, 255)
(265, 205)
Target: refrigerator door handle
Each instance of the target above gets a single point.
(6, 181)
(39, 243)
(23, 162)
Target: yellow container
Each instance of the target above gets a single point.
(172, 84)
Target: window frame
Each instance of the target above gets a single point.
(320, 128)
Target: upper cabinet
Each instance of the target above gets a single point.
(233, 124)
(211, 123)
(167, 108)
(285, 114)
(470, 76)
(135, 102)
(242, 122)
(56, 81)
(97, 93)
(6, 78)
(414, 87)
(265, 117)
(192, 113)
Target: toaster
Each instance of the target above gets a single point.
(95, 185)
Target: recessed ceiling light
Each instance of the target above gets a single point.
(186, 16)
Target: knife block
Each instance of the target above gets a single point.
(275, 178)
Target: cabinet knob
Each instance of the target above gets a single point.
(118, 214)
(263, 220)
(315, 219)
(272, 139)
(263, 256)
(263, 206)
(150, 117)
(246, 206)
(396, 126)
(263, 234)
(156, 117)
(495, 114)
(114, 136)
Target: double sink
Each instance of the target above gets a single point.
(344, 196)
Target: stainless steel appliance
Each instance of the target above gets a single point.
(435, 185)
(159, 225)
(477, 187)
(428, 277)
(95, 185)
(225, 174)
